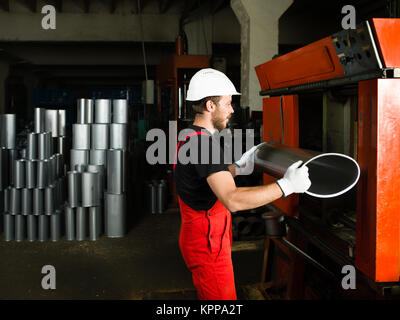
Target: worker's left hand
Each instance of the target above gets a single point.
(246, 163)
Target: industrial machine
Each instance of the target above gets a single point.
(338, 94)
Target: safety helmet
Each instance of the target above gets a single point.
(209, 82)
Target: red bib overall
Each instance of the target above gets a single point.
(205, 241)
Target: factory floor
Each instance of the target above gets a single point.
(145, 264)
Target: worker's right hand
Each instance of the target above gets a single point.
(295, 179)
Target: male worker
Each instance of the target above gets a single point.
(207, 192)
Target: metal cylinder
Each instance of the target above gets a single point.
(81, 224)
(19, 228)
(12, 156)
(79, 157)
(32, 146)
(102, 111)
(51, 122)
(115, 215)
(43, 228)
(9, 222)
(15, 201)
(120, 111)
(161, 192)
(98, 157)
(19, 174)
(52, 169)
(81, 111)
(74, 188)
(331, 174)
(8, 128)
(62, 123)
(38, 201)
(152, 197)
(39, 120)
(49, 200)
(115, 171)
(69, 223)
(118, 136)
(44, 145)
(7, 195)
(4, 169)
(55, 226)
(90, 191)
(32, 227)
(26, 203)
(61, 145)
(99, 136)
(80, 168)
(42, 173)
(94, 223)
(31, 173)
(81, 136)
(101, 177)
(89, 110)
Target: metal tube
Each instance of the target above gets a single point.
(98, 157)
(94, 223)
(89, 110)
(55, 226)
(39, 120)
(115, 171)
(115, 215)
(81, 224)
(8, 130)
(42, 174)
(81, 136)
(26, 203)
(118, 136)
(32, 146)
(19, 228)
(120, 111)
(43, 228)
(44, 145)
(12, 156)
(31, 173)
(15, 201)
(74, 188)
(51, 122)
(69, 223)
(38, 201)
(49, 200)
(100, 136)
(81, 111)
(19, 174)
(331, 174)
(79, 157)
(101, 178)
(90, 195)
(61, 123)
(102, 111)
(8, 227)
(32, 228)
(49, 144)
(61, 145)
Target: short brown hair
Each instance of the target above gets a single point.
(200, 105)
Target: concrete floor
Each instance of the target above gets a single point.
(145, 264)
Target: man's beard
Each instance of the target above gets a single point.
(219, 123)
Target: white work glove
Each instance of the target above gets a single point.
(245, 164)
(295, 179)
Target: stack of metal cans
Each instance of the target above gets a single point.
(34, 201)
(96, 180)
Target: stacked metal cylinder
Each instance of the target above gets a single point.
(96, 180)
(33, 204)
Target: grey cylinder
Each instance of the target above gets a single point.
(120, 111)
(19, 228)
(51, 122)
(161, 196)
(101, 177)
(81, 111)
(42, 174)
(98, 157)
(8, 130)
(90, 189)
(8, 227)
(49, 200)
(32, 227)
(61, 145)
(26, 201)
(39, 120)
(15, 201)
(74, 188)
(19, 174)
(89, 110)
(44, 145)
(38, 201)
(43, 229)
(31, 173)
(118, 136)
(102, 111)
(80, 168)
(62, 123)
(152, 197)
(115, 215)
(94, 223)
(69, 223)
(100, 136)
(12, 156)
(32, 146)
(55, 226)
(115, 171)
(81, 136)
(331, 174)
(81, 224)
(79, 157)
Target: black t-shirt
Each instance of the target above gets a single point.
(191, 178)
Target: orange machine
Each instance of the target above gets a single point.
(366, 63)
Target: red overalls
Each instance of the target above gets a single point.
(205, 241)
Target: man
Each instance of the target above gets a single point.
(207, 192)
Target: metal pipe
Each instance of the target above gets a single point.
(331, 174)
(74, 189)
(19, 174)
(8, 227)
(98, 157)
(90, 195)
(94, 223)
(89, 110)
(42, 174)
(38, 201)
(115, 215)
(120, 111)
(32, 146)
(118, 136)
(102, 111)
(51, 122)
(44, 145)
(55, 227)
(49, 200)
(115, 171)
(100, 136)
(81, 111)
(81, 136)
(101, 178)
(61, 123)
(32, 228)
(12, 156)
(81, 225)
(61, 145)
(79, 157)
(31, 173)
(19, 228)
(8, 130)
(15, 201)
(26, 203)
(39, 120)
(43, 228)
(69, 223)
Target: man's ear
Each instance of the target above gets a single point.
(210, 106)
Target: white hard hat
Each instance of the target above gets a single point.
(208, 83)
